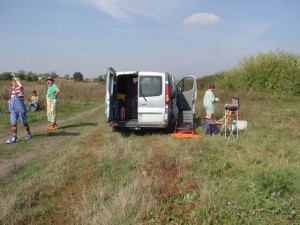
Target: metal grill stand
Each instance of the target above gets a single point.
(231, 112)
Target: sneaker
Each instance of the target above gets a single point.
(12, 140)
(28, 136)
(52, 127)
(48, 128)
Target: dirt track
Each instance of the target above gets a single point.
(48, 143)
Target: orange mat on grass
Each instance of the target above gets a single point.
(181, 135)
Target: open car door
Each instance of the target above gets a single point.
(109, 91)
(187, 93)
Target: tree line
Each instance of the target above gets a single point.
(31, 76)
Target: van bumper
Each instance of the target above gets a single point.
(133, 124)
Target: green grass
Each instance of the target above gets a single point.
(39, 117)
(104, 177)
(109, 178)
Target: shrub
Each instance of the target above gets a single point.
(273, 72)
(5, 76)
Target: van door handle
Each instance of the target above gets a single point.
(143, 104)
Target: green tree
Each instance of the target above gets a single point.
(54, 75)
(101, 78)
(66, 76)
(21, 74)
(77, 76)
(30, 76)
(6, 76)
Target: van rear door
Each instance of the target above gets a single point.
(187, 91)
(151, 99)
(109, 92)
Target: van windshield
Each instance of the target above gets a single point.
(150, 86)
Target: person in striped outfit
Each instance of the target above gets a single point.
(17, 110)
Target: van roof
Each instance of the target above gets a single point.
(141, 73)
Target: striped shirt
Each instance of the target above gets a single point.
(19, 91)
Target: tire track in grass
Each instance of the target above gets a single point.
(45, 142)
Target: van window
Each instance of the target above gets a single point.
(150, 86)
(186, 84)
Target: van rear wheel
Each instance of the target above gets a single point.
(115, 129)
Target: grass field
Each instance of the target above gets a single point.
(74, 97)
(90, 175)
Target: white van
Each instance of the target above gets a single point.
(137, 99)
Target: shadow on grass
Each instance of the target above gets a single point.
(78, 125)
(143, 132)
(60, 133)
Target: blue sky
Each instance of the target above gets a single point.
(199, 37)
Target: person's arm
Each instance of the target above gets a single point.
(18, 82)
(57, 92)
(211, 97)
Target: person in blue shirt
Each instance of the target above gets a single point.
(209, 100)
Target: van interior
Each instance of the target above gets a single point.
(126, 97)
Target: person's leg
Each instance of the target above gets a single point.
(24, 122)
(36, 106)
(49, 105)
(13, 120)
(52, 113)
(209, 112)
(14, 130)
(208, 116)
(28, 136)
(29, 106)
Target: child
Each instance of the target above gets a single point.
(34, 102)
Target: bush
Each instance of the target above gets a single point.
(273, 72)
(31, 77)
(5, 76)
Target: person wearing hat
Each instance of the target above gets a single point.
(17, 109)
(51, 97)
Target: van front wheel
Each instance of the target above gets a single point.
(172, 125)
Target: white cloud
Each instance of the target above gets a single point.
(202, 19)
(124, 10)
(111, 7)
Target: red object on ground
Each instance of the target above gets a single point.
(183, 135)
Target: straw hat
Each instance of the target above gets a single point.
(50, 78)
